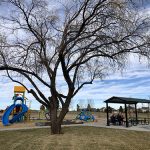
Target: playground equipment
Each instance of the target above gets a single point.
(17, 110)
(44, 113)
(27, 115)
(47, 115)
(85, 116)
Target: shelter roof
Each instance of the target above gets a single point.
(125, 100)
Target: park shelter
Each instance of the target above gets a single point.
(125, 101)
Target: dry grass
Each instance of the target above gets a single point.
(75, 138)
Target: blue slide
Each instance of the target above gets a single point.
(5, 118)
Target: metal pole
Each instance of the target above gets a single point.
(24, 101)
(148, 111)
(136, 115)
(107, 114)
(127, 125)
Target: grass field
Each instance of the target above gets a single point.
(75, 138)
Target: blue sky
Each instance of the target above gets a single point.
(133, 81)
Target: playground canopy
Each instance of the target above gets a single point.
(125, 100)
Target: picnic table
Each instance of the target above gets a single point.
(142, 121)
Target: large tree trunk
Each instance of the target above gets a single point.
(57, 121)
(55, 125)
(54, 105)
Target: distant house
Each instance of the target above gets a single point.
(93, 109)
(130, 107)
(110, 110)
(1, 111)
(144, 109)
(102, 109)
(86, 109)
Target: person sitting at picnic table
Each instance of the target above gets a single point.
(113, 118)
(120, 118)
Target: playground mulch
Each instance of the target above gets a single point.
(65, 122)
(75, 138)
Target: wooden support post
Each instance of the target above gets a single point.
(107, 114)
(136, 115)
(126, 115)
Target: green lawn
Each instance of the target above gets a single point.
(75, 138)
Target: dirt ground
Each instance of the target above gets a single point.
(100, 119)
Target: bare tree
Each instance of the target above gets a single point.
(90, 105)
(78, 107)
(83, 40)
(89, 108)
